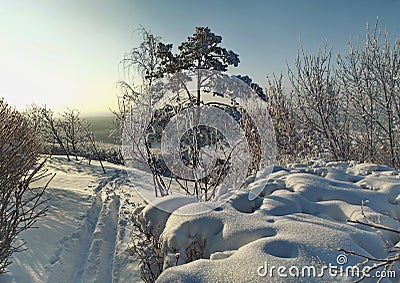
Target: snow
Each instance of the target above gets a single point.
(299, 220)
(295, 217)
(85, 234)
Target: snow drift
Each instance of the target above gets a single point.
(291, 232)
(299, 224)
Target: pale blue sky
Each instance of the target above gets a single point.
(65, 52)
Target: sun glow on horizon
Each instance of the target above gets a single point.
(41, 79)
(66, 53)
(49, 56)
(27, 79)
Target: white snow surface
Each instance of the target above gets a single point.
(85, 233)
(299, 220)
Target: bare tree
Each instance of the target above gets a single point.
(136, 146)
(90, 136)
(77, 134)
(33, 114)
(289, 133)
(53, 126)
(140, 70)
(142, 60)
(70, 132)
(369, 75)
(322, 108)
(20, 205)
(74, 131)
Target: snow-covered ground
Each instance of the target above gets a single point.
(84, 236)
(293, 230)
(295, 227)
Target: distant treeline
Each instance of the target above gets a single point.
(102, 127)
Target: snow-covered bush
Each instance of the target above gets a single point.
(146, 245)
(322, 109)
(290, 141)
(20, 205)
(349, 110)
(369, 76)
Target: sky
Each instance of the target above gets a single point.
(66, 53)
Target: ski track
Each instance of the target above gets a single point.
(91, 249)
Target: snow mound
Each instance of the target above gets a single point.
(299, 222)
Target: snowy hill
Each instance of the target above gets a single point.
(296, 227)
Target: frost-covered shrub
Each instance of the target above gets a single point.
(20, 205)
(369, 77)
(146, 244)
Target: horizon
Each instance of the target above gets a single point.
(67, 54)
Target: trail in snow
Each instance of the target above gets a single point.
(85, 235)
(99, 257)
(96, 256)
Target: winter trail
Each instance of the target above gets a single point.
(85, 235)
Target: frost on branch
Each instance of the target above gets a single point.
(20, 204)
